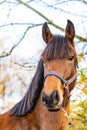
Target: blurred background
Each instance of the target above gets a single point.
(21, 44)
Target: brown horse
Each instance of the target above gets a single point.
(48, 94)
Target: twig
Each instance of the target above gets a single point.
(9, 53)
(21, 24)
(22, 37)
(2, 2)
(48, 20)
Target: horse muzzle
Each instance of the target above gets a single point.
(51, 101)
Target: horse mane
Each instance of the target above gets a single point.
(27, 104)
(59, 47)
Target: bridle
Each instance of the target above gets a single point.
(64, 81)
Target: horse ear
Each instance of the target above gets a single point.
(46, 33)
(70, 31)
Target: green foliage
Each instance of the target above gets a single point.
(79, 108)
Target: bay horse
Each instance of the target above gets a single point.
(48, 95)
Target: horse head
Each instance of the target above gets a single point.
(59, 61)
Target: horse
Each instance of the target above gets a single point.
(47, 99)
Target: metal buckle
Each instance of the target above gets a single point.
(67, 89)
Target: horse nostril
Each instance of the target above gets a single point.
(44, 100)
(55, 97)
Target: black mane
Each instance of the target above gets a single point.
(27, 104)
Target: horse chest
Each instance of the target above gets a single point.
(53, 121)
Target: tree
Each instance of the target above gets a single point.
(20, 22)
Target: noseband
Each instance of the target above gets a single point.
(65, 82)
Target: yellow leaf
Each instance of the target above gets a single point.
(2, 89)
(80, 57)
(85, 90)
(85, 80)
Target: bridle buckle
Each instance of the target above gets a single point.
(66, 86)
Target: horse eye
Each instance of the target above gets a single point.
(71, 58)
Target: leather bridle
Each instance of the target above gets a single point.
(64, 81)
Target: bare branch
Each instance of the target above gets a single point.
(21, 24)
(65, 1)
(21, 79)
(21, 37)
(49, 21)
(54, 6)
(33, 25)
(26, 67)
(2, 2)
(40, 14)
(9, 53)
(84, 1)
